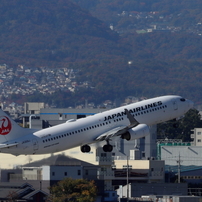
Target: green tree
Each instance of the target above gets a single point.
(74, 190)
(191, 120)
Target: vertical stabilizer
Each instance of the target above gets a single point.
(9, 129)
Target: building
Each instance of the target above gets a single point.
(182, 161)
(141, 189)
(21, 192)
(108, 174)
(33, 107)
(196, 137)
(185, 153)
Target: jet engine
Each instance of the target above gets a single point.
(137, 132)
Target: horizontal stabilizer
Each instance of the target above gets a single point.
(4, 146)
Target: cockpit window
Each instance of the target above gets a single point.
(182, 99)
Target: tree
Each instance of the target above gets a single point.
(74, 190)
(12, 196)
(191, 120)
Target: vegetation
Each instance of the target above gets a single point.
(75, 190)
(187, 12)
(62, 34)
(191, 120)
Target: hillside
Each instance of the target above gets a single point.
(61, 34)
(178, 12)
(50, 32)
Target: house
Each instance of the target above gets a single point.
(21, 192)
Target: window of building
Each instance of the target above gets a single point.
(199, 140)
(198, 133)
(53, 173)
(79, 172)
(103, 154)
(65, 173)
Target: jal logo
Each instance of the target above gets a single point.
(5, 125)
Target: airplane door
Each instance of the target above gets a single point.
(35, 144)
(175, 105)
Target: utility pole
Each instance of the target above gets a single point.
(179, 168)
(127, 180)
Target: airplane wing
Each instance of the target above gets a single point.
(4, 146)
(119, 130)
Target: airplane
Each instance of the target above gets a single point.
(128, 122)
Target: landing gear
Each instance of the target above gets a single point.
(85, 148)
(108, 147)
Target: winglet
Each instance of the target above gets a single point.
(132, 120)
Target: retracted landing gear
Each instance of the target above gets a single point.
(85, 148)
(108, 147)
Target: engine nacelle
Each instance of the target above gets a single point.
(137, 132)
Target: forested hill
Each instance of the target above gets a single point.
(59, 33)
(49, 32)
(109, 11)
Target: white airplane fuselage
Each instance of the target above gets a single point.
(84, 131)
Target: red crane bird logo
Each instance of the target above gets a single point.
(5, 125)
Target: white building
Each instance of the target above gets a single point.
(196, 137)
(187, 155)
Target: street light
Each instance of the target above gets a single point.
(30, 120)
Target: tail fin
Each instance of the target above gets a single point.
(9, 129)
